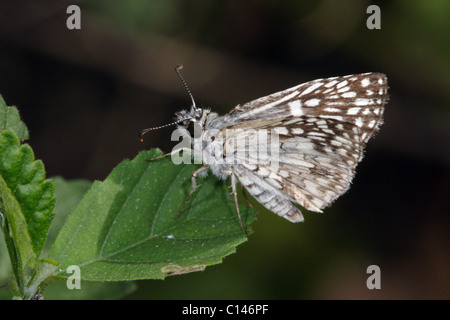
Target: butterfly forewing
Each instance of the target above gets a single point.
(358, 99)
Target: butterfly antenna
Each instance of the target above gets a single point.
(177, 70)
(160, 127)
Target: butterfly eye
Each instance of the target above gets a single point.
(198, 114)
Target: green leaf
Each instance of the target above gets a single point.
(68, 194)
(17, 238)
(10, 119)
(23, 182)
(124, 227)
(5, 264)
(27, 202)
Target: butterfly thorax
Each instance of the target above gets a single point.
(206, 138)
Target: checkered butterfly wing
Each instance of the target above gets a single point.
(322, 127)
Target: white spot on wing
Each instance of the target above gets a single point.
(350, 94)
(331, 109)
(363, 136)
(362, 102)
(281, 130)
(339, 118)
(342, 84)
(292, 121)
(343, 89)
(359, 122)
(331, 84)
(312, 102)
(365, 82)
(296, 108)
(353, 111)
(311, 88)
(335, 103)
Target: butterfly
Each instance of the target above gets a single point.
(297, 146)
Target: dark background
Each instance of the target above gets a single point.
(85, 94)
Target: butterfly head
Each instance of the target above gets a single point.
(196, 115)
(185, 117)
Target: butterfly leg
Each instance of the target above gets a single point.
(233, 186)
(246, 198)
(170, 154)
(194, 187)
